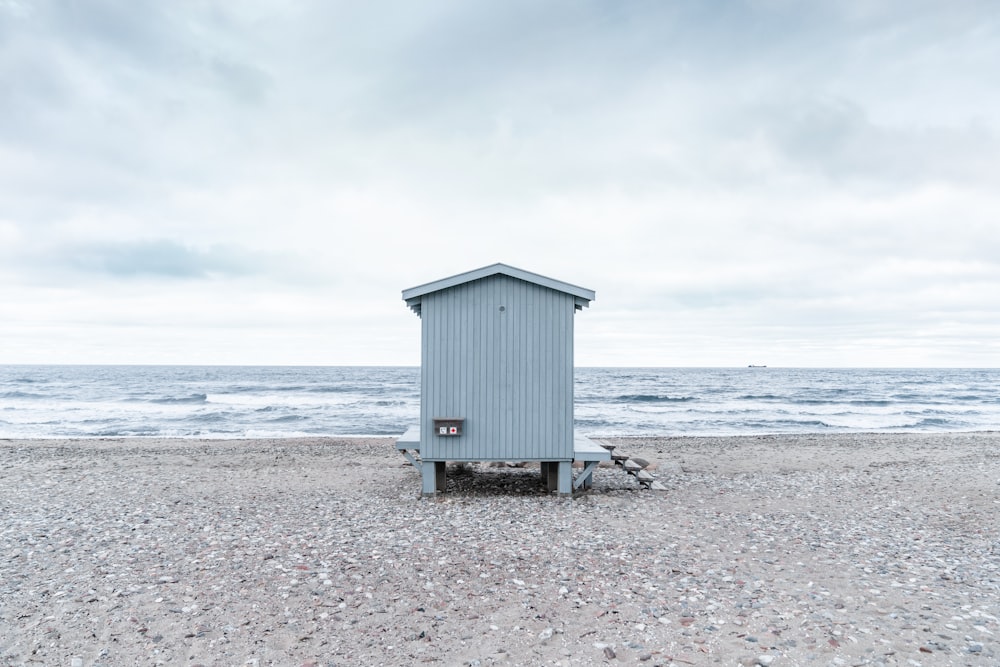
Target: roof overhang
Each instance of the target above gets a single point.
(413, 296)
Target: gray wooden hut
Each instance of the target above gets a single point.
(497, 375)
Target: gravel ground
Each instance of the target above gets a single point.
(782, 550)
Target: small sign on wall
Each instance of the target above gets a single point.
(449, 428)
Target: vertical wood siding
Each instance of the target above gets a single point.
(508, 373)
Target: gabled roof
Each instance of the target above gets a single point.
(414, 295)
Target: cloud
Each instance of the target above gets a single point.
(162, 258)
(742, 171)
(835, 139)
(244, 81)
(33, 259)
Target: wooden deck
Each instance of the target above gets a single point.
(407, 441)
(590, 454)
(410, 439)
(557, 474)
(585, 449)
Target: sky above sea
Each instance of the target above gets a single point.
(741, 182)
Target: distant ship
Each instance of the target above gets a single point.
(756, 366)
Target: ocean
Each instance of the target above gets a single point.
(285, 402)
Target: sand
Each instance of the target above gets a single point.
(786, 550)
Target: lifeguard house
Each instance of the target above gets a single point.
(497, 376)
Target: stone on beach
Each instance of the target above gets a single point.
(846, 549)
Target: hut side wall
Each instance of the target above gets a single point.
(508, 373)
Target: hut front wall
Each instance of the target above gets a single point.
(498, 352)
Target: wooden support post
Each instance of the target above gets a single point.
(434, 478)
(441, 474)
(551, 476)
(565, 478)
(586, 478)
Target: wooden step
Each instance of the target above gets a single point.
(632, 467)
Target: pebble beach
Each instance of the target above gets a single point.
(854, 549)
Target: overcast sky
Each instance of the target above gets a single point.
(769, 182)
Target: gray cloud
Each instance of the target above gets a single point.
(835, 138)
(732, 163)
(161, 258)
(244, 81)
